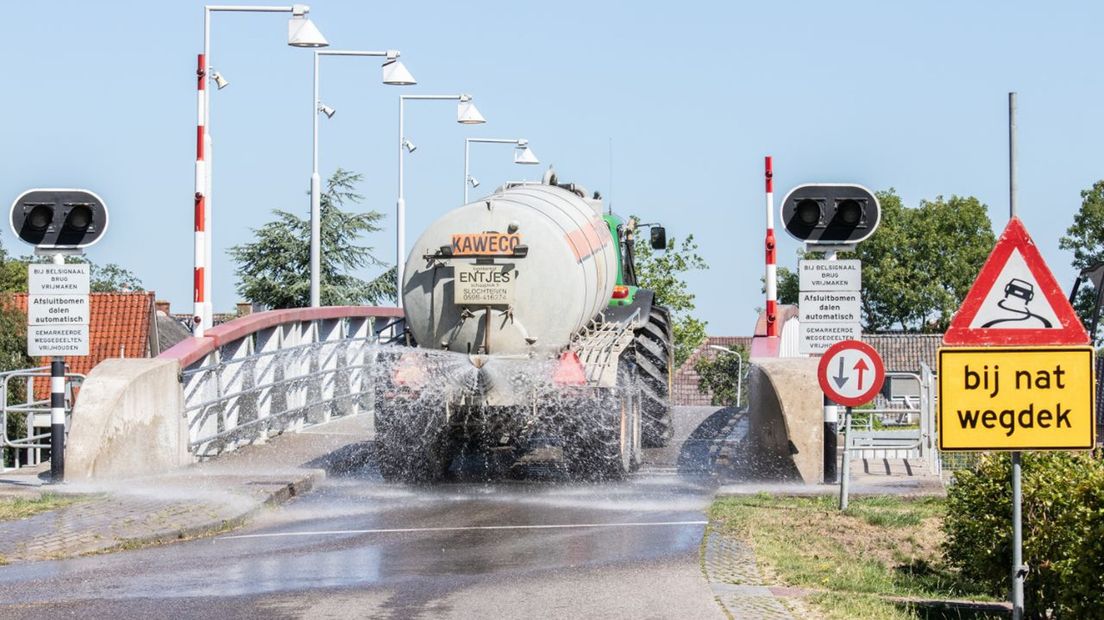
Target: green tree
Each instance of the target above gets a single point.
(662, 272)
(274, 270)
(919, 264)
(1085, 237)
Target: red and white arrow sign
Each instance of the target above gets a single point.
(858, 373)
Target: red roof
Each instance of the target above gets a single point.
(119, 326)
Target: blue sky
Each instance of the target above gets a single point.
(693, 95)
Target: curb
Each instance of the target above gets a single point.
(283, 494)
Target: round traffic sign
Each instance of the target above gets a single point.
(851, 373)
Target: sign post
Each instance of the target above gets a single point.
(1016, 370)
(850, 373)
(58, 222)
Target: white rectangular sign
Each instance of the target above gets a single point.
(57, 310)
(48, 340)
(830, 275)
(829, 307)
(483, 285)
(817, 337)
(57, 279)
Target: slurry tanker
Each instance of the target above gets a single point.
(531, 342)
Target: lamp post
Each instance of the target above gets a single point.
(522, 155)
(394, 74)
(739, 369)
(301, 33)
(466, 114)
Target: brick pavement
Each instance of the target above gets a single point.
(198, 500)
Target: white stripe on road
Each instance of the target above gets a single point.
(407, 530)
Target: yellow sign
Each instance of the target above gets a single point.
(999, 398)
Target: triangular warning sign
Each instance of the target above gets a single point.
(1015, 300)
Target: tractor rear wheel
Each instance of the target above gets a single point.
(654, 354)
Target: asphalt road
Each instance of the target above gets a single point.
(360, 548)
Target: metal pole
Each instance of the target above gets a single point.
(831, 428)
(200, 231)
(57, 409)
(315, 203)
(1018, 570)
(845, 479)
(1011, 154)
(772, 274)
(208, 303)
(400, 217)
(467, 149)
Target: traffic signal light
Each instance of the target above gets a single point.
(830, 214)
(59, 218)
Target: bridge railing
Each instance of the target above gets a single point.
(278, 371)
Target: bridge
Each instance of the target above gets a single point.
(272, 405)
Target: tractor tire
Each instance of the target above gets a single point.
(412, 442)
(606, 442)
(654, 355)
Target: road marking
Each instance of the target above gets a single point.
(407, 530)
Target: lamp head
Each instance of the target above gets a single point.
(466, 113)
(327, 110)
(474, 182)
(524, 155)
(395, 73)
(220, 82)
(301, 30)
(409, 146)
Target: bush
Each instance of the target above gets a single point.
(721, 374)
(1063, 530)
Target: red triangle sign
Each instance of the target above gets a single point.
(1015, 300)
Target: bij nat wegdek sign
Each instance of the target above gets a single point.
(1016, 371)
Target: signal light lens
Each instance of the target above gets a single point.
(620, 292)
(39, 218)
(569, 370)
(849, 212)
(79, 218)
(808, 212)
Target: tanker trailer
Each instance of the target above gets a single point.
(531, 337)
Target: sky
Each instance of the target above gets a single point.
(666, 108)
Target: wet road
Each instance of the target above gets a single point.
(358, 547)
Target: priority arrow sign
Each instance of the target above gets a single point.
(859, 373)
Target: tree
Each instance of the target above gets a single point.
(274, 270)
(1085, 237)
(661, 272)
(919, 265)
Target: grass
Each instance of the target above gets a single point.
(855, 562)
(15, 508)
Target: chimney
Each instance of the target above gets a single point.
(245, 308)
(162, 306)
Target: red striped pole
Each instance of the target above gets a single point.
(772, 273)
(200, 200)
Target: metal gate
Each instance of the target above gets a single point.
(907, 432)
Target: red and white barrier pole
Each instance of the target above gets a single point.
(198, 319)
(772, 272)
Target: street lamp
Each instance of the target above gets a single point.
(301, 33)
(394, 74)
(739, 369)
(522, 155)
(466, 114)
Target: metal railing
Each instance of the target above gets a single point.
(280, 371)
(919, 442)
(33, 413)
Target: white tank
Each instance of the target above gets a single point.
(511, 304)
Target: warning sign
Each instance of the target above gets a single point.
(1015, 300)
(999, 398)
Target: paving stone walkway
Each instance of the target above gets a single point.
(195, 501)
(737, 582)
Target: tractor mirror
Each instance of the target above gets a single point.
(659, 238)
